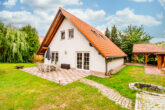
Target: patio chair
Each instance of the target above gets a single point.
(43, 68)
(52, 68)
(46, 68)
(39, 66)
(57, 67)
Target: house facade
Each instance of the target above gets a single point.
(76, 43)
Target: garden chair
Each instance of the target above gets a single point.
(39, 66)
(57, 67)
(43, 68)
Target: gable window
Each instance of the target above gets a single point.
(62, 34)
(55, 57)
(71, 33)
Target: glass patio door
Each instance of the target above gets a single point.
(83, 60)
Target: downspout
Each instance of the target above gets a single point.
(106, 64)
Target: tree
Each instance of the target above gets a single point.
(161, 44)
(114, 36)
(16, 47)
(133, 35)
(3, 41)
(32, 40)
(107, 32)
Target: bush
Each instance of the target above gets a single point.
(38, 58)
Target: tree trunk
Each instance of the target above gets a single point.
(130, 58)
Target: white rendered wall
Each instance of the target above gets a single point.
(67, 48)
(115, 63)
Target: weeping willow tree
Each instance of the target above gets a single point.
(16, 47)
(3, 41)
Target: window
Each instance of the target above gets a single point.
(71, 33)
(62, 34)
(79, 60)
(86, 61)
(95, 33)
(54, 57)
(83, 60)
(102, 36)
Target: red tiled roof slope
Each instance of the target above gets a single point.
(106, 47)
(147, 48)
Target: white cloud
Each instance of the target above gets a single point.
(142, 0)
(103, 27)
(88, 15)
(157, 39)
(160, 15)
(125, 17)
(43, 12)
(9, 3)
(50, 5)
(162, 3)
(39, 20)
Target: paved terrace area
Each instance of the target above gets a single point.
(66, 76)
(149, 69)
(153, 70)
(61, 76)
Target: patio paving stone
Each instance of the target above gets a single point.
(65, 76)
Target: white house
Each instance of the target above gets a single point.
(72, 41)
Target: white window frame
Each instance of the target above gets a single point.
(64, 34)
(69, 35)
(55, 58)
(83, 52)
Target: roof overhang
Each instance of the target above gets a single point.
(51, 32)
(115, 56)
(148, 52)
(60, 16)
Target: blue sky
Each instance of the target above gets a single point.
(98, 13)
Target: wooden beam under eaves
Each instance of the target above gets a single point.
(45, 48)
(41, 53)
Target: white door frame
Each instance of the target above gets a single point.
(83, 60)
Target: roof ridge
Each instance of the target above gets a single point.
(82, 21)
(102, 43)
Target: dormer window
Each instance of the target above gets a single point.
(71, 33)
(62, 35)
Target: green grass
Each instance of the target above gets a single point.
(129, 74)
(20, 90)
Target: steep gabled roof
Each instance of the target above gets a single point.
(105, 46)
(147, 48)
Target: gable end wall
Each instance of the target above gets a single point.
(67, 48)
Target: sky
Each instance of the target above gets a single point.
(98, 13)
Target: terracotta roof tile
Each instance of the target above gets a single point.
(105, 46)
(147, 48)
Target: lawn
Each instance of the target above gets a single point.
(20, 90)
(121, 80)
